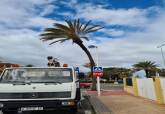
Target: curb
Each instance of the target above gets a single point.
(98, 106)
(87, 107)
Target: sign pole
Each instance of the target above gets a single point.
(98, 72)
(98, 77)
(98, 86)
(95, 73)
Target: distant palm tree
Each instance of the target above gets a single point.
(74, 31)
(29, 65)
(87, 65)
(147, 66)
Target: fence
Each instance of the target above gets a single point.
(150, 88)
(162, 82)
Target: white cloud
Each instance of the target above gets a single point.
(47, 10)
(40, 22)
(20, 13)
(22, 47)
(128, 17)
(20, 44)
(134, 47)
(113, 32)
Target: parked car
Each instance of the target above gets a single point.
(103, 80)
(85, 85)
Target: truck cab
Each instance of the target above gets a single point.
(38, 88)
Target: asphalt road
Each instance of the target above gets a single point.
(108, 86)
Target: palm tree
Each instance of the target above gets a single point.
(74, 31)
(29, 65)
(87, 65)
(147, 66)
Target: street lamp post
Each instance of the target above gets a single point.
(97, 64)
(97, 53)
(163, 57)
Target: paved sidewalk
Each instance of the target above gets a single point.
(127, 104)
(123, 103)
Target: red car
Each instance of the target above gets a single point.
(85, 85)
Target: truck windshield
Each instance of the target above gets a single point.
(37, 75)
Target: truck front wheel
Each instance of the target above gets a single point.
(9, 112)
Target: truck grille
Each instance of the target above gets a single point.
(35, 95)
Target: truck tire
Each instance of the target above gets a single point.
(78, 94)
(9, 112)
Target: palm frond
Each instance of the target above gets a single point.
(61, 41)
(79, 30)
(53, 30)
(78, 25)
(63, 27)
(71, 26)
(75, 24)
(85, 26)
(93, 29)
(51, 34)
(73, 30)
(86, 38)
(51, 37)
(145, 65)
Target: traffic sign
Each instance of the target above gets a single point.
(97, 71)
(77, 69)
(98, 74)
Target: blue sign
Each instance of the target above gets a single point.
(77, 69)
(97, 69)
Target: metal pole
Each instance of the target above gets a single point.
(98, 78)
(97, 56)
(98, 86)
(97, 64)
(163, 56)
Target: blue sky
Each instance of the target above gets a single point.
(133, 29)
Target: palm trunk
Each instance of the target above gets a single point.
(91, 61)
(147, 73)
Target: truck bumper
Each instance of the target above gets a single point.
(43, 105)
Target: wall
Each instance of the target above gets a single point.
(127, 88)
(162, 83)
(146, 88)
(150, 88)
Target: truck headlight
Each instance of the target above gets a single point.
(1, 105)
(68, 103)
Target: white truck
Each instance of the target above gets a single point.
(35, 88)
